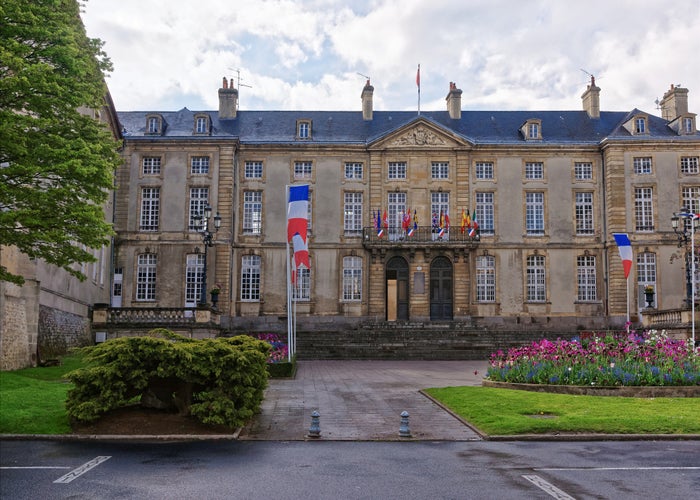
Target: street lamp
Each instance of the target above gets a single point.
(692, 221)
(202, 223)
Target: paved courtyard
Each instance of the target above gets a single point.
(363, 400)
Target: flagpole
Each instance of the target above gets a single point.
(418, 83)
(290, 347)
(628, 304)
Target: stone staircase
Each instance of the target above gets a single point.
(410, 340)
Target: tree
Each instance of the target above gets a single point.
(57, 161)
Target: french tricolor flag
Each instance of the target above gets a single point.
(298, 211)
(625, 248)
(301, 251)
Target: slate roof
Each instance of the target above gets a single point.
(348, 127)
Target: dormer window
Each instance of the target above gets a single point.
(154, 125)
(640, 125)
(532, 130)
(201, 125)
(637, 125)
(304, 129)
(688, 125)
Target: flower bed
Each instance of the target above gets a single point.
(600, 359)
(278, 364)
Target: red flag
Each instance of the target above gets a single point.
(418, 77)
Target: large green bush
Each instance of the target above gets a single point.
(218, 381)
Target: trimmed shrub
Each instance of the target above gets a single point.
(217, 381)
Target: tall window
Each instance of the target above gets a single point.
(484, 212)
(689, 165)
(640, 125)
(199, 165)
(440, 170)
(250, 278)
(352, 214)
(198, 200)
(354, 170)
(146, 277)
(534, 170)
(153, 125)
(586, 278)
(352, 279)
(485, 278)
(397, 170)
(584, 213)
(301, 290)
(643, 209)
(150, 209)
(253, 170)
(397, 207)
(252, 212)
(534, 213)
(583, 171)
(533, 130)
(691, 198)
(646, 274)
(642, 165)
(151, 165)
(484, 170)
(201, 125)
(303, 169)
(536, 284)
(194, 275)
(304, 130)
(688, 125)
(439, 208)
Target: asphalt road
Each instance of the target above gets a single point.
(349, 470)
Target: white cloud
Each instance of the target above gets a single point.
(307, 54)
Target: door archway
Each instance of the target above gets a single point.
(397, 289)
(441, 289)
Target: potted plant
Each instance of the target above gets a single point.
(215, 291)
(649, 295)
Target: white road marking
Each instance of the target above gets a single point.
(75, 473)
(547, 487)
(614, 468)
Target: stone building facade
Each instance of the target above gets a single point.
(547, 190)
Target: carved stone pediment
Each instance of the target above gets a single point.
(418, 136)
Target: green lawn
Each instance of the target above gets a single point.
(507, 412)
(32, 401)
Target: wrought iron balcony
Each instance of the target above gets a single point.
(422, 237)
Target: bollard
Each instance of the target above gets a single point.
(404, 431)
(315, 428)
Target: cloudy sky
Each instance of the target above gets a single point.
(310, 54)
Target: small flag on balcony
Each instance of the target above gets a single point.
(474, 225)
(413, 229)
(378, 224)
(463, 225)
(625, 248)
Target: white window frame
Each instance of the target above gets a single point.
(534, 170)
(352, 213)
(536, 279)
(352, 279)
(253, 169)
(690, 165)
(301, 289)
(199, 198)
(440, 170)
(646, 276)
(584, 213)
(642, 165)
(534, 213)
(644, 209)
(583, 170)
(250, 278)
(397, 170)
(396, 207)
(303, 169)
(640, 125)
(252, 212)
(149, 219)
(439, 201)
(146, 269)
(485, 278)
(304, 129)
(201, 125)
(586, 278)
(194, 277)
(199, 165)
(151, 165)
(485, 209)
(690, 199)
(354, 170)
(484, 170)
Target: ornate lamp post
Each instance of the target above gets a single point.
(690, 221)
(202, 221)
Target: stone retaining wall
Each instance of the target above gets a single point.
(692, 391)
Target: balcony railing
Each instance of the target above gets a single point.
(150, 315)
(423, 236)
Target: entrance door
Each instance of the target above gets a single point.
(397, 289)
(441, 289)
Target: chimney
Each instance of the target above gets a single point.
(591, 99)
(674, 103)
(228, 101)
(454, 102)
(367, 93)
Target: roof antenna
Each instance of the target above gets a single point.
(238, 84)
(364, 76)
